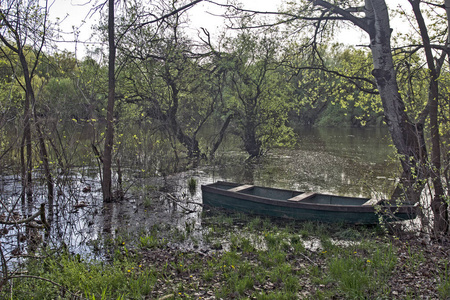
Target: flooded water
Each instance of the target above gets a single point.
(352, 162)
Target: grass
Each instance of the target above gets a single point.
(444, 282)
(192, 185)
(265, 259)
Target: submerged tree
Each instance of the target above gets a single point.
(257, 91)
(132, 21)
(173, 82)
(24, 31)
(109, 135)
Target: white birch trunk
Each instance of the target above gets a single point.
(384, 73)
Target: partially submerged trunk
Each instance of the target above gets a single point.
(109, 136)
(190, 143)
(31, 101)
(251, 143)
(221, 135)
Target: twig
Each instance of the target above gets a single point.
(175, 199)
(309, 259)
(196, 203)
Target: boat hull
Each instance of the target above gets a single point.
(300, 206)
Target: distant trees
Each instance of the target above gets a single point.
(257, 91)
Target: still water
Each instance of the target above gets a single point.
(345, 161)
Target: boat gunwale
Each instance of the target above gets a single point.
(303, 205)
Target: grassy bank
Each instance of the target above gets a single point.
(247, 258)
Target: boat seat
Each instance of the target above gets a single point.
(370, 202)
(240, 188)
(303, 196)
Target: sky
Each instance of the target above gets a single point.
(76, 14)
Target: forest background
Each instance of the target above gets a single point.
(258, 78)
(152, 96)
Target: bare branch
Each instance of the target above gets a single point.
(173, 12)
(361, 23)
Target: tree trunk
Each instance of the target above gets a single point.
(30, 100)
(26, 158)
(46, 165)
(109, 136)
(27, 132)
(251, 143)
(189, 142)
(438, 204)
(221, 136)
(406, 135)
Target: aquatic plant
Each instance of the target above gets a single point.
(192, 185)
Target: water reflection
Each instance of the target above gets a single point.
(351, 162)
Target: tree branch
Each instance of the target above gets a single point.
(346, 14)
(352, 79)
(187, 6)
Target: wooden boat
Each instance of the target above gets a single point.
(301, 205)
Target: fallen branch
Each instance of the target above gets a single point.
(175, 199)
(27, 220)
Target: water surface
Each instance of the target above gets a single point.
(344, 161)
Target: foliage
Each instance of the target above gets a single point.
(257, 91)
(172, 86)
(336, 90)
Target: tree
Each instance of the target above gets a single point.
(172, 81)
(113, 44)
(257, 93)
(25, 22)
(407, 135)
(109, 136)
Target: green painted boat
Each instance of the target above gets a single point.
(302, 205)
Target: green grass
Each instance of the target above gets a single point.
(95, 280)
(265, 260)
(361, 270)
(444, 282)
(151, 241)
